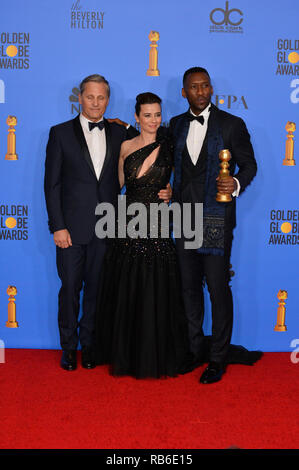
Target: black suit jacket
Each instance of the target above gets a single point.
(72, 189)
(235, 138)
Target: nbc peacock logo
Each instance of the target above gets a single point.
(74, 100)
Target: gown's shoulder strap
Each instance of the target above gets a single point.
(135, 160)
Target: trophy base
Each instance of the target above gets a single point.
(280, 328)
(12, 324)
(153, 73)
(289, 162)
(223, 197)
(9, 156)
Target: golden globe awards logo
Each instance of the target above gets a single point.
(14, 51)
(287, 57)
(86, 19)
(284, 227)
(13, 222)
(226, 20)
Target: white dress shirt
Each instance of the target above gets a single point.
(196, 136)
(96, 143)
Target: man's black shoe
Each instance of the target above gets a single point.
(213, 373)
(69, 360)
(87, 359)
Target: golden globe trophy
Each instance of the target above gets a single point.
(224, 157)
(11, 322)
(153, 54)
(281, 311)
(11, 121)
(289, 155)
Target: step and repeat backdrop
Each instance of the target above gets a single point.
(251, 50)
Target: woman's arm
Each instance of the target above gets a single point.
(124, 151)
(121, 176)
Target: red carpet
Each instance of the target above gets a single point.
(42, 407)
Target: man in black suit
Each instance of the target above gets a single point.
(199, 135)
(81, 171)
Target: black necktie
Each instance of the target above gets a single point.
(100, 125)
(200, 119)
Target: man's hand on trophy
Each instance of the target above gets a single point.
(118, 121)
(62, 238)
(165, 194)
(226, 185)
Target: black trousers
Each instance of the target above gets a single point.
(78, 266)
(195, 268)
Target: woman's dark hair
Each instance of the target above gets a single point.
(146, 98)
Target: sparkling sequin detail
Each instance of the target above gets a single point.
(145, 189)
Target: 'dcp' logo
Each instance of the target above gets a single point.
(226, 18)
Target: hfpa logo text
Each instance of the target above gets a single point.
(230, 102)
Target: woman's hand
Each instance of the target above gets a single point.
(165, 194)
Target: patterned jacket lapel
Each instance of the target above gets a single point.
(180, 133)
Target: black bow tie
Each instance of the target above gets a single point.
(100, 125)
(200, 119)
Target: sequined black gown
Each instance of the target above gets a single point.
(141, 328)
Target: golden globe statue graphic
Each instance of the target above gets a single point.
(11, 121)
(289, 155)
(281, 311)
(153, 54)
(11, 321)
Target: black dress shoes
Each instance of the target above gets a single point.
(213, 373)
(87, 358)
(69, 360)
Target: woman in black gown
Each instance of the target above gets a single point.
(141, 329)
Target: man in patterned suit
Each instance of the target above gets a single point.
(199, 134)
